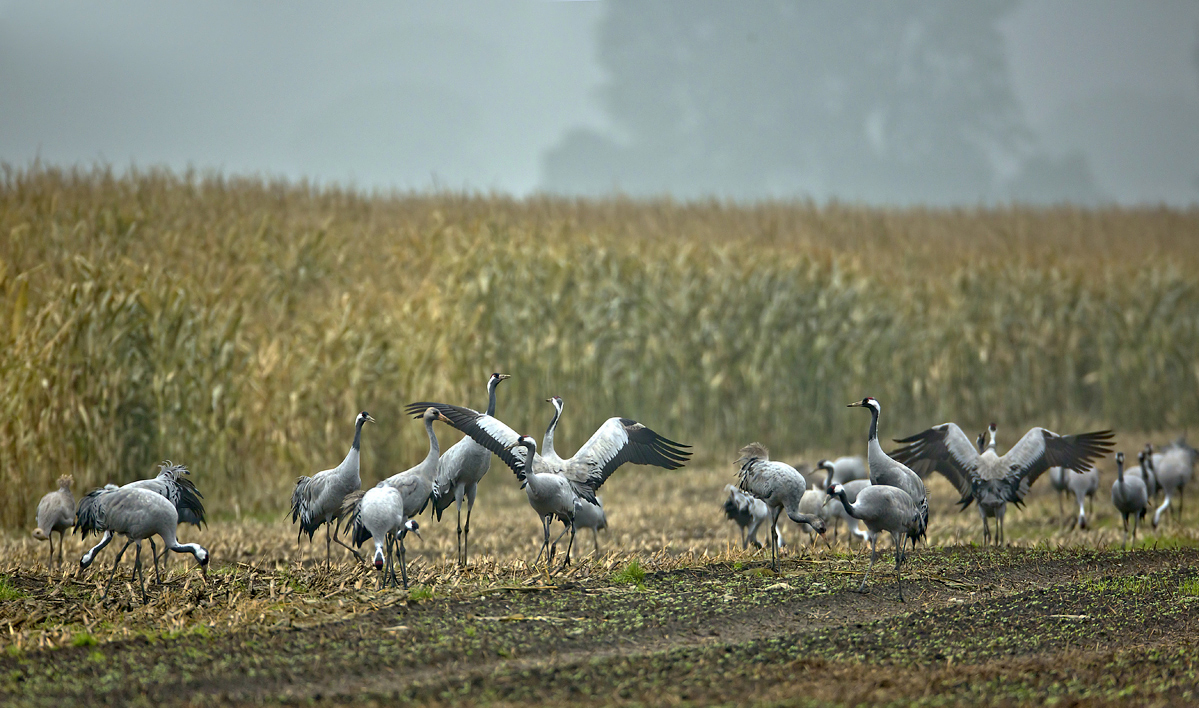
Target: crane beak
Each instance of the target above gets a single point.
(501, 377)
(855, 404)
(370, 418)
(417, 532)
(442, 418)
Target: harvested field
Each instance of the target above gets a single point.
(677, 615)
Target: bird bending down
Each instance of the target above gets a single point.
(588, 516)
(317, 500)
(1130, 497)
(1172, 470)
(778, 484)
(834, 511)
(381, 518)
(56, 512)
(749, 512)
(618, 440)
(138, 514)
(170, 483)
(414, 484)
(459, 471)
(993, 480)
(888, 472)
(882, 508)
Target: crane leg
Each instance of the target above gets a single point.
(569, 546)
(545, 544)
(1136, 520)
(899, 577)
(343, 544)
(1061, 509)
(403, 565)
(470, 506)
(1157, 515)
(774, 548)
(873, 557)
(1180, 498)
(458, 503)
(137, 568)
(595, 536)
(115, 564)
(50, 563)
(328, 547)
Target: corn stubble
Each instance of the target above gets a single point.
(238, 325)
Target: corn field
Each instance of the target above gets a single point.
(239, 325)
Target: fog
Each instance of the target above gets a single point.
(886, 103)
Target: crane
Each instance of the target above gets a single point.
(1172, 470)
(617, 441)
(56, 512)
(138, 514)
(993, 480)
(459, 471)
(380, 517)
(883, 508)
(316, 500)
(892, 473)
(778, 484)
(1130, 497)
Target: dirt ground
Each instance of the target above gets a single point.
(670, 612)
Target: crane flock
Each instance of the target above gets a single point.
(885, 492)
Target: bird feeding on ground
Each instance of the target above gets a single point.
(459, 471)
(992, 480)
(749, 513)
(381, 518)
(617, 441)
(778, 484)
(1173, 470)
(316, 500)
(170, 483)
(835, 511)
(139, 514)
(56, 512)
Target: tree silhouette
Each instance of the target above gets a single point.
(894, 102)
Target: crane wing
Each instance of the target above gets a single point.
(620, 440)
(945, 449)
(490, 432)
(1041, 449)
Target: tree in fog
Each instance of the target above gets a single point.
(896, 102)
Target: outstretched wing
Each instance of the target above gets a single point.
(1041, 449)
(620, 440)
(945, 449)
(488, 431)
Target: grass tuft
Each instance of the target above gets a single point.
(631, 574)
(8, 592)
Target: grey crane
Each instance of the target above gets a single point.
(883, 508)
(892, 473)
(550, 495)
(617, 441)
(56, 512)
(778, 484)
(1173, 470)
(813, 503)
(548, 453)
(1057, 480)
(749, 512)
(1130, 497)
(170, 482)
(848, 468)
(381, 519)
(415, 484)
(317, 500)
(137, 514)
(835, 511)
(1083, 485)
(993, 480)
(459, 471)
(587, 516)
(1144, 469)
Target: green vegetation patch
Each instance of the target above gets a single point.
(8, 592)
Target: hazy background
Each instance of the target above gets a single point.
(899, 102)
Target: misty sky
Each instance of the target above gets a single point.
(476, 95)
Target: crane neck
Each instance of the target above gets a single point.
(1120, 472)
(547, 442)
(873, 425)
(845, 503)
(491, 385)
(828, 477)
(358, 434)
(434, 448)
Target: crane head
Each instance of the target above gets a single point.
(378, 560)
(498, 377)
(835, 490)
(556, 400)
(826, 465)
(411, 525)
(1120, 458)
(867, 402)
(432, 414)
(364, 417)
